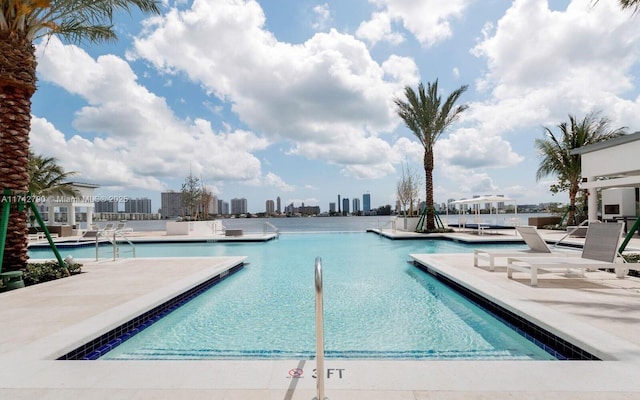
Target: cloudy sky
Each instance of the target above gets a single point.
(294, 98)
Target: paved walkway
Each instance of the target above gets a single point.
(40, 323)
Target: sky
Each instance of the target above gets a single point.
(295, 98)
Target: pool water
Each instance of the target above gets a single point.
(377, 306)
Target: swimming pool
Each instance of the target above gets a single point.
(377, 306)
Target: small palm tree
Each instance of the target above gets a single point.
(427, 117)
(48, 178)
(21, 23)
(555, 152)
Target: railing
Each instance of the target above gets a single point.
(272, 226)
(319, 331)
(114, 243)
(116, 253)
(391, 223)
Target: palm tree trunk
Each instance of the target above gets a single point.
(428, 176)
(17, 85)
(573, 191)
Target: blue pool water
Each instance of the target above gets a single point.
(377, 306)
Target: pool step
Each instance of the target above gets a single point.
(215, 354)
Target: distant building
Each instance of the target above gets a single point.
(223, 207)
(138, 206)
(345, 206)
(278, 205)
(238, 206)
(290, 209)
(105, 206)
(269, 207)
(213, 205)
(366, 203)
(332, 207)
(356, 205)
(171, 204)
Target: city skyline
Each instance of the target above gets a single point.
(300, 103)
(353, 205)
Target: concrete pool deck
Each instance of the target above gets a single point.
(42, 322)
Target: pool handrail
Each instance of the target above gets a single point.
(319, 330)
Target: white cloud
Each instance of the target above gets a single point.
(143, 139)
(325, 93)
(471, 149)
(378, 29)
(544, 64)
(322, 14)
(427, 20)
(274, 180)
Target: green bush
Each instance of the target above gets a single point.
(48, 271)
(632, 258)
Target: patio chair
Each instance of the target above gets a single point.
(122, 227)
(90, 234)
(599, 251)
(537, 248)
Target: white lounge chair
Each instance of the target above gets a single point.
(599, 251)
(537, 248)
(122, 227)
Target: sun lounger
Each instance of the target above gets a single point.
(599, 251)
(537, 248)
(122, 227)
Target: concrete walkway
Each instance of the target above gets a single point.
(42, 322)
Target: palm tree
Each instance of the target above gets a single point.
(555, 152)
(634, 4)
(48, 178)
(628, 4)
(21, 23)
(427, 117)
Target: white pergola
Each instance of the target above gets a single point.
(484, 200)
(85, 199)
(609, 164)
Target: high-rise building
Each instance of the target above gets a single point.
(356, 205)
(105, 206)
(332, 207)
(278, 205)
(138, 205)
(238, 206)
(223, 207)
(213, 205)
(171, 204)
(269, 207)
(345, 206)
(366, 203)
(339, 205)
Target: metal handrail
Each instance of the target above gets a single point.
(115, 244)
(272, 226)
(319, 331)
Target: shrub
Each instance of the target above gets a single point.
(632, 258)
(48, 271)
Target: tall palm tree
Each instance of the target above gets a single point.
(555, 152)
(48, 178)
(427, 117)
(21, 23)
